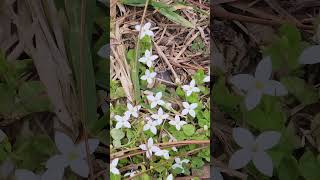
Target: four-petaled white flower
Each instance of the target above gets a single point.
(189, 89)
(132, 110)
(49, 174)
(148, 58)
(148, 76)
(130, 174)
(258, 85)
(254, 149)
(160, 116)
(206, 79)
(122, 121)
(155, 100)
(73, 155)
(189, 109)
(151, 125)
(170, 177)
(164, 153)
(145, 30)
(113, 166)
(176, 122)
(149, 148)
(179, 162)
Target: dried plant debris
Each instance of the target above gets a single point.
(50, 78)
(266, 90)
(160, 105)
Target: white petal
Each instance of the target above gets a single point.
(253, 99)
(158, 95)
(154, 57)
(185, 161)
(160, 111)
(242, 81)
(149, 80)
(150, 141)
(138, 27)
(143, 147)
(155, 149)
(153, 74)
(118, 118)
(22, 174)
(149, 33)
(170, 177)
(114, 162)
(267, 140)
(153, 104)
(177, 160)
(172, 123)
(192, 113)
(185, 105)
(64, 143)
(188, 93)
(153, 129)
(146, 127)
(264, 69)
(263, 163)
(127, 124)
(129, 106)
(193, 105)
(115, 170)
(53, 174)
(92, 143)
(160, 102)
(80, 167)
(275, 88)
(176, 166)
(143, 60)
(178, 127)
(240, 159)
(2, 135)
(195, 89)
(243, 137)
(185, 87)
(56, 162)
(104, 51)
(147, 26)
(184, 112)
(310, 55)
(216, 174)
(193, 83)
(150, 97)
(119, 125)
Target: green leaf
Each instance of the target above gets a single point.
(288, 169)
(188, 129)
(7, 96)
(137, 3)
(199, 76)
(117, 134)
(309, 166)
(81, 21)
(304, 92)
(197, 162)
(33, 97)
(222, 96)
(171, 15)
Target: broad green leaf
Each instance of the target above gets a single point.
(304, 92)
(309, 166)
(117, 134)
(80, 28)
(33, 97)
(188, 129)
(197, 162)
(137, 3)
(288, 169)
(171, 15)
(7, 96)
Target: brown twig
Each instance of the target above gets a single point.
(218, 11)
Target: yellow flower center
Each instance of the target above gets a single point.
(259, 85)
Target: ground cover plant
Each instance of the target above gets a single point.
(53, 86)
(267, 97)
(160, 104)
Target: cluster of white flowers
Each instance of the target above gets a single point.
(156, 119)
(73, 155)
